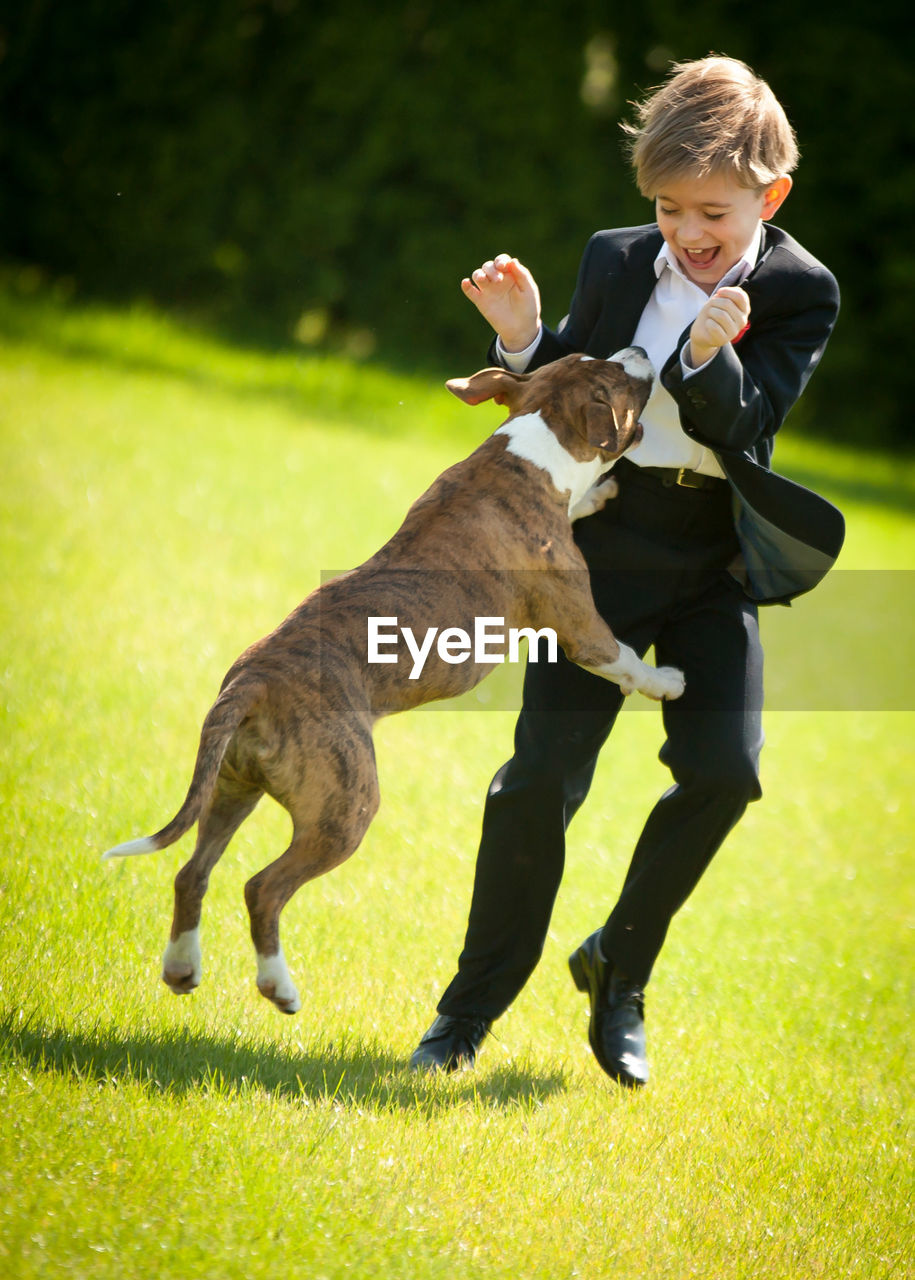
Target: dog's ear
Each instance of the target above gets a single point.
(614, 427)
(489, 384)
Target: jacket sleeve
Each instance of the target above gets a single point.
(742, 396)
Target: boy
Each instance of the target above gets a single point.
(734, 315)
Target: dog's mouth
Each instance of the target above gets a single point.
(619, 449)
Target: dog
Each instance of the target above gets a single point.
(492, 539)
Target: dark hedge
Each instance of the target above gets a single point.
(326, 172)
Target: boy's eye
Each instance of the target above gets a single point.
(670, 213)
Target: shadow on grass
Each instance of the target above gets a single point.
(351, 1073)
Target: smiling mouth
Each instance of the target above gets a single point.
(701, 258)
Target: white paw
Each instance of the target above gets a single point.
(182, 963)
(595, 498)
(631, 673)
(274, 981)
(665, 682)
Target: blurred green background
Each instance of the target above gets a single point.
(322, 174)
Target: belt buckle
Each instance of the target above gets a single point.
(688, 479)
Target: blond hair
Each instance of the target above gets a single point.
(710, 116)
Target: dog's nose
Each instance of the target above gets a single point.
(636, 363)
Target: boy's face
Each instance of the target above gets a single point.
(708, 223)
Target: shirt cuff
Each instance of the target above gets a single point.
(688, 368)
(517, 361)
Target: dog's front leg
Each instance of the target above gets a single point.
(594, 499)
(588, 641)
(631, 674)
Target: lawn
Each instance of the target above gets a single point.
(165, 500)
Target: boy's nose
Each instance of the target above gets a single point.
(691, 233)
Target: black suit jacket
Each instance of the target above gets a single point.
(789, 536)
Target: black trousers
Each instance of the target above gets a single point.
(658, 559)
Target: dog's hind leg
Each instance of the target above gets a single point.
(320, 842)
(231, 804)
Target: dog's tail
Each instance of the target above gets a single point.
(223, 718)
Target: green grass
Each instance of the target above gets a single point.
(165, 500)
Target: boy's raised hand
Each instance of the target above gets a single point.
(506, 294)
(721, 319)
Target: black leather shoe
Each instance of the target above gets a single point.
(450, 1044)
(617, 1027)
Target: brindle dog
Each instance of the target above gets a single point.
(492, 537)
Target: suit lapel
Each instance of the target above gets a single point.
(628, 302)
(765, 248)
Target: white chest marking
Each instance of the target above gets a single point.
(530, 438)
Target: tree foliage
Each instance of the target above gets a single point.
(326, 172)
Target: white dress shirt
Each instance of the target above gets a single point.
(674, 304)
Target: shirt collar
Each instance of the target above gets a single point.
(737, 274)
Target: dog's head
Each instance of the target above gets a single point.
(590, 404)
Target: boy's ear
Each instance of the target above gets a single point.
(775, 195)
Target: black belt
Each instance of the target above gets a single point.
(671, 476)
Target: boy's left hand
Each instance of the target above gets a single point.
(719, 322)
